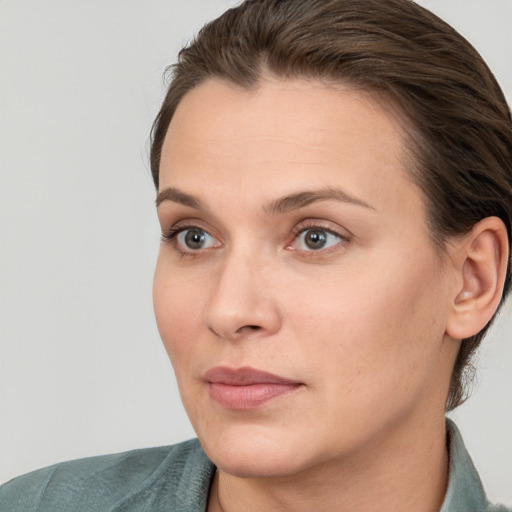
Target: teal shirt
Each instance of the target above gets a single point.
(177, 479)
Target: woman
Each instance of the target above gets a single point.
(335, 196)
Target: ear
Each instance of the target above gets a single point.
(481, 263)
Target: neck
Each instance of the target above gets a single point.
(407, 470)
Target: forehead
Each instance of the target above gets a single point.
(282, 136)
(304, 109)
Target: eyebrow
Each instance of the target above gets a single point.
(176, 196)
(303, 199)
(282, 205)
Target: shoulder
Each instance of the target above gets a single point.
(465, 491)
(498, 508)
(178, 475)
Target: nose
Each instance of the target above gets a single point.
(242, 301)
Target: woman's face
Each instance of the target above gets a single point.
(297, 292)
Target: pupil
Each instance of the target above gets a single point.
(315, 239)
(194, 239)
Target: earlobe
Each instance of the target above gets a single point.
(482, 264)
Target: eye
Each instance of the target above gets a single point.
(315, 238)
(191, 239)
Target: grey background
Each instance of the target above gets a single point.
(82, 369)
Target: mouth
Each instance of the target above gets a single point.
(246, 388)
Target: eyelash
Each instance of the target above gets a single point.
(175, 230)
(170, 237)
(312, 226)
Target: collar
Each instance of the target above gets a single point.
(465, 492)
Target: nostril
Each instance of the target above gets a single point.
(247, 329)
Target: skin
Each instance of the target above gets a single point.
(361, 323)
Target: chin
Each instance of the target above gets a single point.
(255, 452)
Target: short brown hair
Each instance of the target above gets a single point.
(461, 140)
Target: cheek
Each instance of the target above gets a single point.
(383, 325)
(177, 307)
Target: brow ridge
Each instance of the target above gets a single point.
(282, 205)
(305, 198)
(177, 196)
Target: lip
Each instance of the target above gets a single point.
(246, 388)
